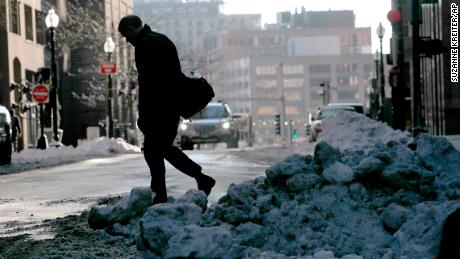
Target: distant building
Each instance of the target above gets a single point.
(22, 42)
(254, 67)
(188, 23)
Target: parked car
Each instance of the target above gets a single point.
(324, 112)
(213, 124)
(5, 136)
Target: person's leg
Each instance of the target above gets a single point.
(183, 163)
(154, 157)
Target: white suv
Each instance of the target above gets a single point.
(213, 124)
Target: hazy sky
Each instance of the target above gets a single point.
(367, 12)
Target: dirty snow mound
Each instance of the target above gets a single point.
(351, 130)
(387, 201)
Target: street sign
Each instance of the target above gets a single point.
(108, 67)
(40, 93)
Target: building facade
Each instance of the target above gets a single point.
(286, 70)
(188, 23)
(22, 42)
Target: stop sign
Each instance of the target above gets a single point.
(40, 93)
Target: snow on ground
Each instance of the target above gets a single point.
(30, 159)
(362, 194)
(352, 131)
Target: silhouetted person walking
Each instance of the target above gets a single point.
(159, 77)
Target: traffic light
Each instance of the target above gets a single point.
(295, 135)
(42, 76)
(277, 124)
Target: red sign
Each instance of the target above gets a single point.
(108, 67)
(40, 93)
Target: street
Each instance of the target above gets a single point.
(30, 197)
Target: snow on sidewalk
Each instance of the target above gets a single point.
(30, 159)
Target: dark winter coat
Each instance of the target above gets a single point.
(159, 80)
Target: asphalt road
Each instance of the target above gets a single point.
(28, 198)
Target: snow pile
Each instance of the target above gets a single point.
(37, 158)
(387, 201)
(351, 130)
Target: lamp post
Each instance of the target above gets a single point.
(380, 34)
(109, 47)
(52, 21)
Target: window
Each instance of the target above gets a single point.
(293, 69)
(40, 27)
(17, 70)
(293, 96)
(266, 70)
(29, 23)
(266, 83)
(320, 69)
(293, 82)
(15, 17)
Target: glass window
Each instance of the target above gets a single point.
(40, 27)
(320, 69)
(293, 69)
(266, 70)
(15, 17)
(293, 82)
(29, 22)
(266, 83)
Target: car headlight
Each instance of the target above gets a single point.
(183, 126)
(226, 125)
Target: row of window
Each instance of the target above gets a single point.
(272, 70)
(273, 83)
(314, 69)
(256, 41)
(15, 22)
(273, 110)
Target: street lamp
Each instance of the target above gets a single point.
(109, 47)
(52, 21)
(380, 34)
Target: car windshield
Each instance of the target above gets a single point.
(332, 112)
(211, 112)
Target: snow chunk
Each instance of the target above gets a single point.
(292, 165)
(162, 221)
(325, 154)
(394, 216)
(338, 173)
(134, 205)
(194, 196)
(200, 242)
(323, 255)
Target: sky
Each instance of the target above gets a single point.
(367, 12)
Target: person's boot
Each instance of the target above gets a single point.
(159, 199)
(160, 194)
(205, 183)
